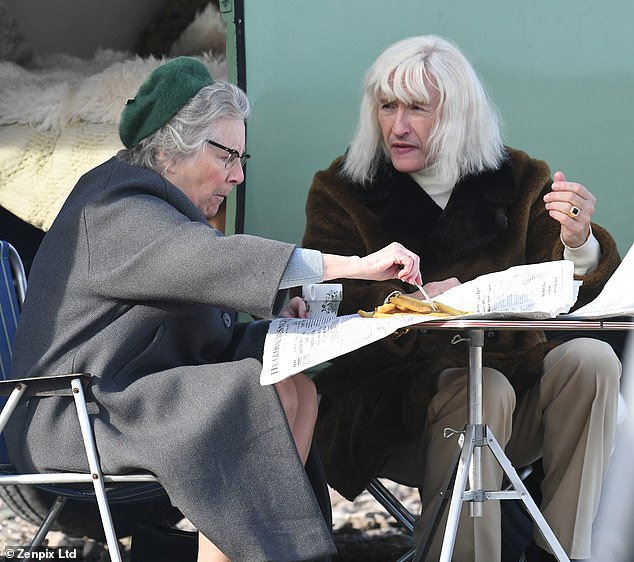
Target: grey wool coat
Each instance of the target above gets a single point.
(133, 286)
(374, 400)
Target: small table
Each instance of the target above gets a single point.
(466, 465)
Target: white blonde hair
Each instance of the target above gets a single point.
(466, 137)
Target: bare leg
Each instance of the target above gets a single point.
(208, 551)
(299, 400)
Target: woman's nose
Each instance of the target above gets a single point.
(236, 174)
(401, 122)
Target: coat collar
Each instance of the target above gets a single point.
(475, 215)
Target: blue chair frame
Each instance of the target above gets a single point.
(137, 488)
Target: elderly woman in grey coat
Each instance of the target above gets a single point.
(133, 285)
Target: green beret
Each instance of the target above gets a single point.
(168, 88)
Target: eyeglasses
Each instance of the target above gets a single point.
(234, 155)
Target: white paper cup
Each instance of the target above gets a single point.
(322, 299)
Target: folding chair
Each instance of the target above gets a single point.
(396, 509)
(89, 486)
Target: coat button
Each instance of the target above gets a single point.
(226, 319)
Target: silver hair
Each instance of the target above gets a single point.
(466, 137)
(187, 132)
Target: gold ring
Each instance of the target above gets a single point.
(574, 212)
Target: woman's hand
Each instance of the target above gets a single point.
(572, 205)
(295, 308)
(435, 288)
(392, 262)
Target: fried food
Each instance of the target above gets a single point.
(386, 308)
(411, 304)
(365, 314)
(403, 304)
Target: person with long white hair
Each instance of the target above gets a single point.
(428, 167)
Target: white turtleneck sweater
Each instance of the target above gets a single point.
(586, 257)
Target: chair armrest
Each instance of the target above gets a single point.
(54, 385)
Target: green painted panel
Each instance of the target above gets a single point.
(561, 74)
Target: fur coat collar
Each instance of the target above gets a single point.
(474, 216)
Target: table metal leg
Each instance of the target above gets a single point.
(455, 504)
(466, 467)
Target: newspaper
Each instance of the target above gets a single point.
(542, 290)
(616, 298)
(533, 291)
(293, 344)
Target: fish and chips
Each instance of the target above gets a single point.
(403, 304)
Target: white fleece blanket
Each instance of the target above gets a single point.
(59, 118)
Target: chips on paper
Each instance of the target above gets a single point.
(403, 304)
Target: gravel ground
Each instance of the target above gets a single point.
(363, 531)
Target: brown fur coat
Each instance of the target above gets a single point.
(375, 399)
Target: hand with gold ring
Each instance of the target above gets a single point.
(573, 212)
(572, 206)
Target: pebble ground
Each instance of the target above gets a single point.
(363, 531)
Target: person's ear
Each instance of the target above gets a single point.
(166, 165)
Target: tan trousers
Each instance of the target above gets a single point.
(568, 419)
